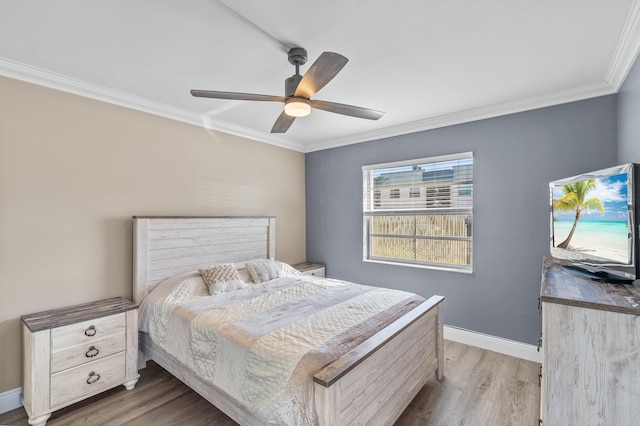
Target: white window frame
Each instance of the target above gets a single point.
(369, 210)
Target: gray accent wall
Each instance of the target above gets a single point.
(629, 117)
(515, 157)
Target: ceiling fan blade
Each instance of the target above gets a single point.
(236, 96)
(283, 123)
(320, 73)
(350, 110)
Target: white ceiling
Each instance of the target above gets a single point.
(426, 63)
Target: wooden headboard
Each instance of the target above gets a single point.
(166, 246)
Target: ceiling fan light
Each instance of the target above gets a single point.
(297, 107)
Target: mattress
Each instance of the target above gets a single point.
(262, 344)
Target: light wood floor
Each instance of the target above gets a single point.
(480, 388)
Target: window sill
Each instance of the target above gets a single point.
(421, 266)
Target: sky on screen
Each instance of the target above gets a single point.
(612, 191)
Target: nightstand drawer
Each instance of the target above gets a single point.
(86, 352)
(75, 382)
(317, 272)
(86, 331)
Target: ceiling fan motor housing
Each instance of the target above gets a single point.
(291, 84)
(297, 56)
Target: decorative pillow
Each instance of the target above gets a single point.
(244, 275)
(263, 270)
(222, 278)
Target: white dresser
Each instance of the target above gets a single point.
(73, 353)
(591, 351)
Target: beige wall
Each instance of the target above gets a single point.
(72, 173)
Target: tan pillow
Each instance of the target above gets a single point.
(244, 275)
(222, 278)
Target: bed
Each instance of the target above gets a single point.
(372, 383)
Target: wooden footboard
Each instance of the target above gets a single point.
(376, 381)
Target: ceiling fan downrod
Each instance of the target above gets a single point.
(297, 57)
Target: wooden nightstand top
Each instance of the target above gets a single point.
(73, 314)
(306, 266)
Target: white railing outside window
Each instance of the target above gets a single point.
(420, 212)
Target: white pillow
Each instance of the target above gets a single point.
(226, 286)
(287, 270)
(187, 289)
(222, 278)
(263, 270)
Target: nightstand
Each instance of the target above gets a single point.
(315, 269)
(70, 354)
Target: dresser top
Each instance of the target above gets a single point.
(73, 314)
(559, 286)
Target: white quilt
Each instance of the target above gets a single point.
(261, 345)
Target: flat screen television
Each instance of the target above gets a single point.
(594, 223)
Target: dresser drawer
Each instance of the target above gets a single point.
(86, 331)
(75, 382)
(96, 349)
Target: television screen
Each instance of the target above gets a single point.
(593, 223)
(591, 216)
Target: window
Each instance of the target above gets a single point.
(465, 189)
(420, 212)
(439, 196)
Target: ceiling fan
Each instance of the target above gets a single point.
(299, 89)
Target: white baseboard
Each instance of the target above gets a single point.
(10, 400)
(493, 343)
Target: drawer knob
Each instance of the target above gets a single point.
(93, 377)
(93, 351)
(91, 331)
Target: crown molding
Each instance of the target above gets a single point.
(41, 77)
(63, 83)
(475, 114)
(627, 49)
(623, 59)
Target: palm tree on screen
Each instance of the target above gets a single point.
(574, 200)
